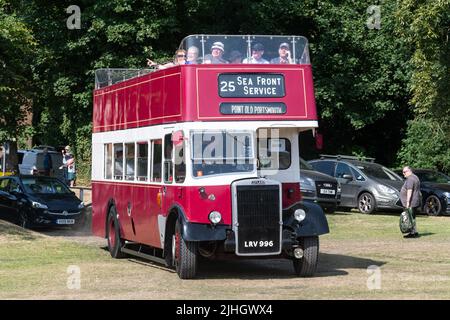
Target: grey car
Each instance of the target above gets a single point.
(365, 185)
(318, 187)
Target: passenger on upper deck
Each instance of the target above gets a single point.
(284, 55)
(257, 53)
(180, 58)
(192, 55)
(217, 50)
(235, 57)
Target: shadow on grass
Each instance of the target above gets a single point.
(9, 229)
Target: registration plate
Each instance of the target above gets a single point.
(65, 221)
(327, 191)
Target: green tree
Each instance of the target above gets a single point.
(425, 25)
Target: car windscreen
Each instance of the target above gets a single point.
(378, 172)
(44, 186)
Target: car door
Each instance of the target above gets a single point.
(349, 185)
(8, 201)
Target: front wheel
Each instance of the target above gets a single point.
(23, 221)
(366, 203)
(432, 206)
(115, 242)
(306, 266)
(185, 254)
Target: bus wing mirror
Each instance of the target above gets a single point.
(177, 138)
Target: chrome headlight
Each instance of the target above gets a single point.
(299, 215)
(447, 194)
(38, 205)
(81, 205)
(385, 189)
(215, 217)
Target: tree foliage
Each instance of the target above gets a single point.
(425, 25)
(366, 80)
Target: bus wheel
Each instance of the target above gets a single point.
(306, 266)
(184, 254)
(115, 243)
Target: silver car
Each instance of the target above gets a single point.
(365, 185)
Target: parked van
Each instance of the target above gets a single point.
(33, 163)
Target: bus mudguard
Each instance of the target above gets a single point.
(314, 224)
(199, 231)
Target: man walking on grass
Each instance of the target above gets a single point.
(410, 197)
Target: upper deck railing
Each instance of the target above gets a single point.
(223, 49)
(251, 49)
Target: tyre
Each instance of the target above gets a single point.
(433, 206)
(185, 254)
(366, 203)
(306, 266)
(115, 242)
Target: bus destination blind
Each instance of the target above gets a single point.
(251, 85)
(253, 108)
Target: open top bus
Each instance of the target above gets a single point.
(203, 158)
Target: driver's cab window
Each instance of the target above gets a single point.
(342, 169)
(358, 175)
(274, 153)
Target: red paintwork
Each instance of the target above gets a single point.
(289, 198)
(190, 93)
(145, 209)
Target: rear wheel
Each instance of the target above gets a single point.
(185, 254)
(432, 206)
(366, 203)
(306, 266)
(115, 242)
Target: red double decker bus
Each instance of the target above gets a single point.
(202, 158)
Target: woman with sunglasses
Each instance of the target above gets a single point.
(180, 58)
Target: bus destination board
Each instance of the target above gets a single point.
(253, 108)
(251, 85)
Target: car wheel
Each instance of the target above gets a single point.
(432, 206)
(115, 242)
(185, 254)
(306, 266)
(366, 203)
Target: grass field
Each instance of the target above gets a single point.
(36, 265)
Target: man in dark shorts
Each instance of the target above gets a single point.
(410, 196)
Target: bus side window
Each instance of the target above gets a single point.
(142, 161)
(156, 160)
(108, 161)
(118, 161)
(168, 149)
(180, 164)
(129, 161)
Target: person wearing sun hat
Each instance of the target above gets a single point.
(217, 50)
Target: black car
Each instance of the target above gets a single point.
(39, 201)
(319, 187)
(435, 188)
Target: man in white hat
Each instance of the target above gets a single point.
(217, 50)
